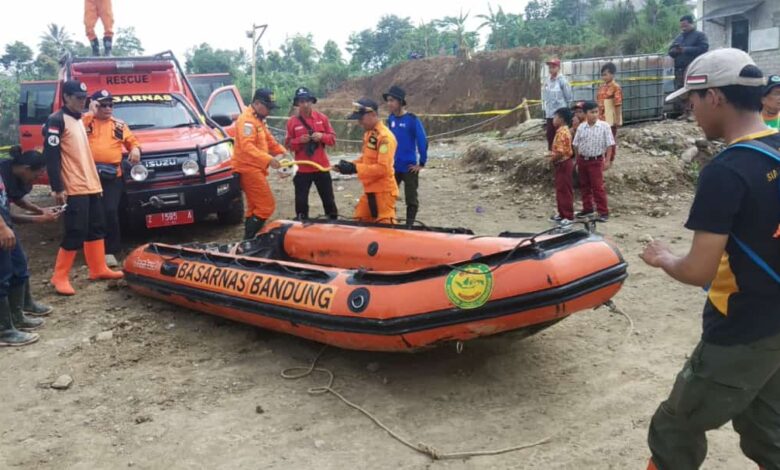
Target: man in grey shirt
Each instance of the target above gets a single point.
(556, 94)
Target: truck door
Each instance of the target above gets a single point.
(224, 106)
(36, 102)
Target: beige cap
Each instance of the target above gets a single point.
(716, 69)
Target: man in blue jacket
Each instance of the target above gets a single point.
(688, 45)
(410, 134)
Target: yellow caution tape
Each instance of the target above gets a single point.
(494, 112)
(627, 79)
(288, 163)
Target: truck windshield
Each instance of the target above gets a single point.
(155, 114)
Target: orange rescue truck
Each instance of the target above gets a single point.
(185, 172)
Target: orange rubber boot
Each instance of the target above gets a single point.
(95, 254)
(60, 279)
(651, 465)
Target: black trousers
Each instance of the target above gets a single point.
(549, 131)
(324, 184)
(84, 221)
(411, 182)
(112, 194)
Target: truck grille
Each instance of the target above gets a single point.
(166, 165)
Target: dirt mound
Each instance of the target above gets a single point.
(680, 139)
(504, 166)
(492, 80)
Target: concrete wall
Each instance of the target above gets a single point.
(766, 15)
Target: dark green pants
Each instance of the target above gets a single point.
(411, 182)
(719, 384)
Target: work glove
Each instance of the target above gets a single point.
(346, 168)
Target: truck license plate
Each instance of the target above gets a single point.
(167, 219)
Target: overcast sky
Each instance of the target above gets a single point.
(179, 25)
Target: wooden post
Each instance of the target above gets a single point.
(526, 110)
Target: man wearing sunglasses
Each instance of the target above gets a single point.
(75, 183)
(109, 137)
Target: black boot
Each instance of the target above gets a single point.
(19, 319)
(31, 307)
(252, 225)
(411, 215)
(107, 45)
(10, 336)
(95, 47)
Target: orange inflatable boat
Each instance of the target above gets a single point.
(381, 287)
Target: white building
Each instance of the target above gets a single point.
(750, 25)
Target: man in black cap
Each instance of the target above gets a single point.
(308, 133)
(75, 183)
(374, 167)
(410, 135)
(254, 152)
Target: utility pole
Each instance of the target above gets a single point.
(255, 39)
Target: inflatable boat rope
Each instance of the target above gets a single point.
(296, 373)
(293, 374)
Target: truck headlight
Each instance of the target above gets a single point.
(139, 172)
(217, 154)
(190, 168)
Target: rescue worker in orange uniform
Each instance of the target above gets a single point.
(254, 152)
(94, 10)
(75, 184)
(109, 137)
(374, 167)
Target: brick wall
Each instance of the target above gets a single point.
(767, 61)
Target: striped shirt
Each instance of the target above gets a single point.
(593, 140)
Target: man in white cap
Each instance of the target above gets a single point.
(734, 372)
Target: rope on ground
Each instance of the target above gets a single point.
(613, 308)
(296, 373)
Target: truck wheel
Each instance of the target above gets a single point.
(234, 214)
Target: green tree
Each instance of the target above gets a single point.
(331, 53)
(18, 58)
(204, 59)
(300, 53)
(504, 28)
(388, 44)
(55, 41)
(456, 27)
(9, 110)
(127, 44)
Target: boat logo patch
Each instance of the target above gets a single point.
(469, 286)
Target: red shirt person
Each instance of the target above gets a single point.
(308, 133)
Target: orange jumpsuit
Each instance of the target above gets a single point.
(94, 9)
(254, 149)
(375, 171)
(108, 138)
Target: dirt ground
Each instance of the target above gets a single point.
(175, 389)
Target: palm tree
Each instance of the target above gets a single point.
(494, 20)
(502, 27)
(457, 26)
(55, 41)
